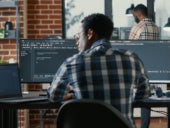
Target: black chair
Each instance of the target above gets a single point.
(90, 114)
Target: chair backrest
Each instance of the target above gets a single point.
(90, 114)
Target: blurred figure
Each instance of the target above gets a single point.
(145, 29)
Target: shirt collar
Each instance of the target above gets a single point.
(99, 42)
(146, 19)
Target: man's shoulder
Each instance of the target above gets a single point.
(125, 52)
(150, 22)
(73, 57)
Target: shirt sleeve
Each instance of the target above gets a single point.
(142, 83)
(58, 87)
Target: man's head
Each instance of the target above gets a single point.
(140, 12)
(93, 27)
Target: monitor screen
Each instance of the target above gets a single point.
(9, 81)
(154, 54)
(40, 58)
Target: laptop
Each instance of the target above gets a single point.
(10, 86)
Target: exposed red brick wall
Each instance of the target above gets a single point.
(44, 18)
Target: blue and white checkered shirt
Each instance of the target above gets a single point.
(103, 73)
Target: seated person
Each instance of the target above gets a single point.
(99, 71)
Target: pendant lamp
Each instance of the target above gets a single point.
(167, 25)
(129, 11)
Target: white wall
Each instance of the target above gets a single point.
(162, 12)
(119, 9)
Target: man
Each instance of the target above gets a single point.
(100, 72)
(145, 29)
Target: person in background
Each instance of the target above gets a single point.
(100, 71)
(145, 29)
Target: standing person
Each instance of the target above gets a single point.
(99, 71)
(145, 29)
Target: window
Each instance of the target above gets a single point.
(75, 10)
(119, 9)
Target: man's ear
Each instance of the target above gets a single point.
(90, 34)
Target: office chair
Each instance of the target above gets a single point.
(86, 113)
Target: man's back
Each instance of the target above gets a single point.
(107, 74)
(145, 30)
(98, 71)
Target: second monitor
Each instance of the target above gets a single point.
(40, 58)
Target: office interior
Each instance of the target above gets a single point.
(40, 19)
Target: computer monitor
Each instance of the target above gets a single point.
(154, 54)
(39, 59)
(9, 81)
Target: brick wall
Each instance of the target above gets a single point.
(44, 18)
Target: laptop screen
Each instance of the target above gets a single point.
(9, 81)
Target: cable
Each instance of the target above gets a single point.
(161, 112)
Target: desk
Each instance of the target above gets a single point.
(154, 103)
(9, 111)
(48, 105)
(31, 105)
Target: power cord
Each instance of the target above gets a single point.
(161, 112)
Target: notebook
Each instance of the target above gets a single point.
(10, 86)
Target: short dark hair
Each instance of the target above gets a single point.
(142, 8)
(100, 23)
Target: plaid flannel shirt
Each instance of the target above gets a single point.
(145, 30)
(102, 73)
